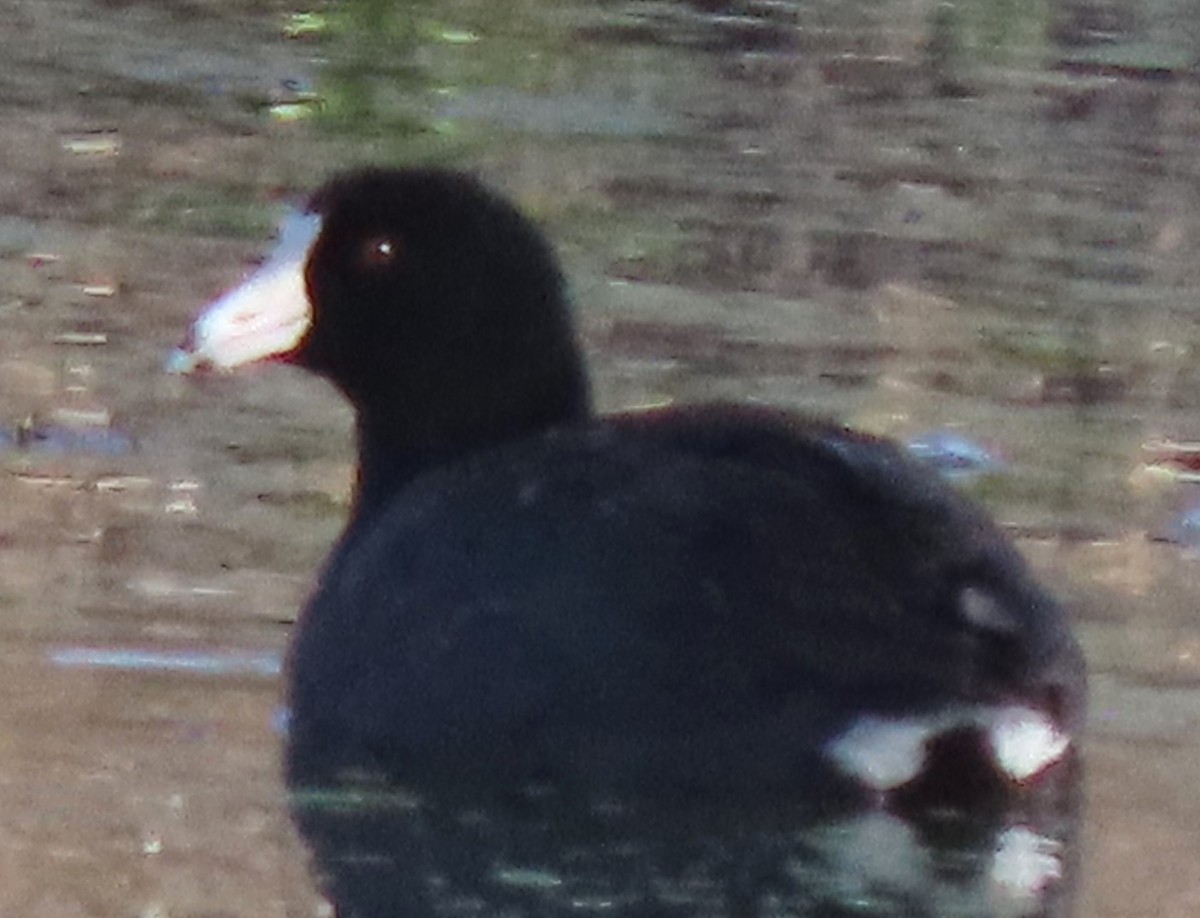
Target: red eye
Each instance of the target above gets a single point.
(379, 251)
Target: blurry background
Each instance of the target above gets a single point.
(969, 224)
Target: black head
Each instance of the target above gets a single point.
(435, 299)
(432, 303)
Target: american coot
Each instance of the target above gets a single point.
(712, 609)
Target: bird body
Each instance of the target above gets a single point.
(712, 609)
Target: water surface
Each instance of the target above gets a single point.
(970, 217)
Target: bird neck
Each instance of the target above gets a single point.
(392, 452)
(386, 464)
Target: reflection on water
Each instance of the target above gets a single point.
(972, 217)
(214, 663)
(387, 853)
